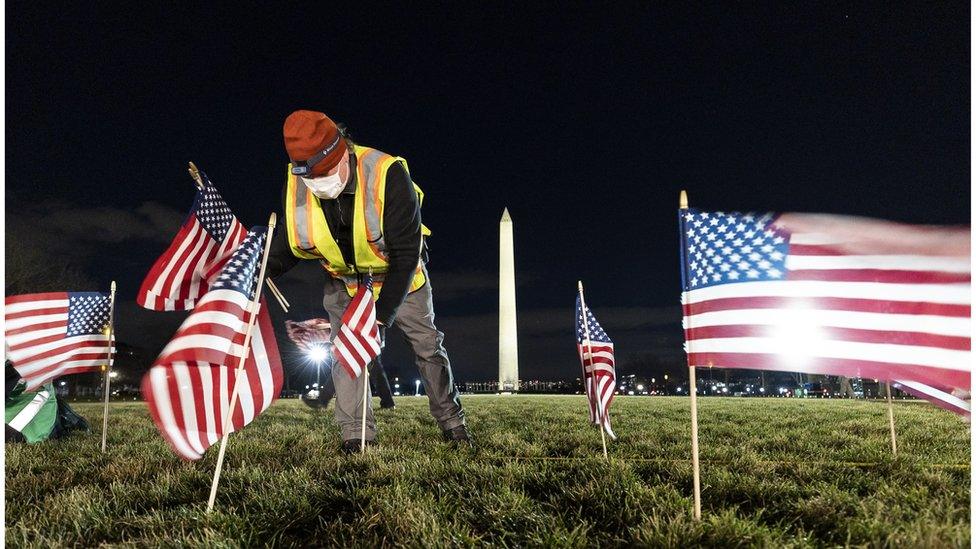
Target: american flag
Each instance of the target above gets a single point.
(598, 366)
(358, 340)
(54, 334)
(207, 238)
(957, 401)
(827, 294)
(190, 384)
(309, 333)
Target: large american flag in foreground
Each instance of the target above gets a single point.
(207, 238)
(54, 334)
(189, 386)
(828, 294)
(358, 340)
(599, 379)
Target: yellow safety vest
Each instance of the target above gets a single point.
(309, 235)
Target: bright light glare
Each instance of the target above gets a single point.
(640, 387)
(318, 353)
(797, 337)
(113, 374)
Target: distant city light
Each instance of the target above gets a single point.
(318, 353)
(113, 374)
(678, 390)
(417, 383)
(665, 377)
(640, 387)
(630, 392)
(762, 389)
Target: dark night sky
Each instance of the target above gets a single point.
(584, 124)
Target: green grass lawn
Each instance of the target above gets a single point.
(775, 472)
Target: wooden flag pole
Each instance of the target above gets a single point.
(255, 306)
(108, 364)
(693, 393)
(278, 295)
(891, 420)
(589, 353)
(195, 174)
(362, 439)
(366, 395)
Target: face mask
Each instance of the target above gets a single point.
(327, 187)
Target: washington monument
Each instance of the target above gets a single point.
(507, 325)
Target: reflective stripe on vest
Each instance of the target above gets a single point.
(309, 235)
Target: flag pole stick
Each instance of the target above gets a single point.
(195, 174)
(108, 364)
(692, 392)
(255, 306)
(891, 420)
(362, 439)
(278, 295)
(589, 353)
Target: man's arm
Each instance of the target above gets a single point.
(280, 258)
(401, 232)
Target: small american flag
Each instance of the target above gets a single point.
(207, 238)
(596, 355)
(309, 333)
(957, 401)
(827, 294)
(54, 334)
(358, 340)
(190, 384)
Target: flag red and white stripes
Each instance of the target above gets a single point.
(49, 335)
(358, 340)
(597, 357)
(828, 294)
(189, 387)
(956, 401)
(206, 240)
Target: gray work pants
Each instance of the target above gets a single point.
(415, 318)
